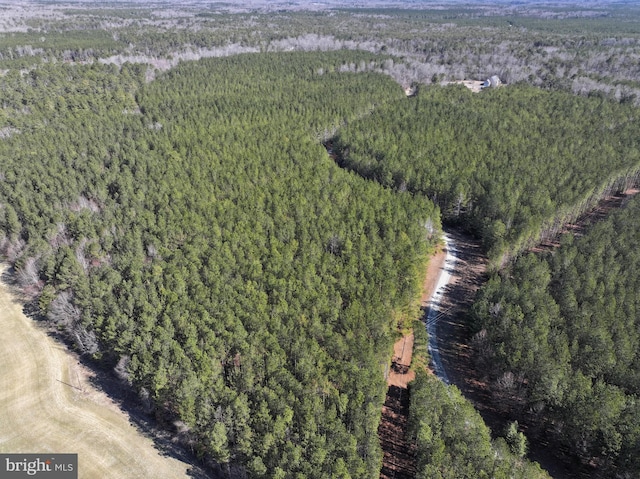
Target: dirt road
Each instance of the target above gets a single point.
(437, 309)
(398, 453)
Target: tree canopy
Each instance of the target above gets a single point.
(180, 219)
(512, 164)
(196, 231)
(564, 328)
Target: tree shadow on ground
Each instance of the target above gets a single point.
(104, 379)
(455, 332)
(399, 453)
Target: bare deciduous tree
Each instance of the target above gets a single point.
(81, 256)
(62, 310)
(121, 368)
(86, 341)
(29, 278)
(61, 237)
(13, 249)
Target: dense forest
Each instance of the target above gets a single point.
(451, 439)
(198, 234)
(559, 334)
(178, 218)
(512, 165)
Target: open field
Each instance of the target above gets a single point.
(474, 85)
(48, 405)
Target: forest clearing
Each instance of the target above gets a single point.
(54, 407)
(399, 460)
(474, 85)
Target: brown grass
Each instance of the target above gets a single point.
(48, 405)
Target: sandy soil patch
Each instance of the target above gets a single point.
(400, 375)
(436, 264)
(474, 85)
(48, 405)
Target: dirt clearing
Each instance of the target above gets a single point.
(399, 454)
(48, 405)
(474, 85)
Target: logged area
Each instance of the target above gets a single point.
(49, 404)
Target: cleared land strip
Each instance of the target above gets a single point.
(399, 454)
(47, 405)
(436, 311)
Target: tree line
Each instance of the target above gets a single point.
(559, 335)
(511, 164)
(195, 233)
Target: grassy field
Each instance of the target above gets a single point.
(48, 405)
